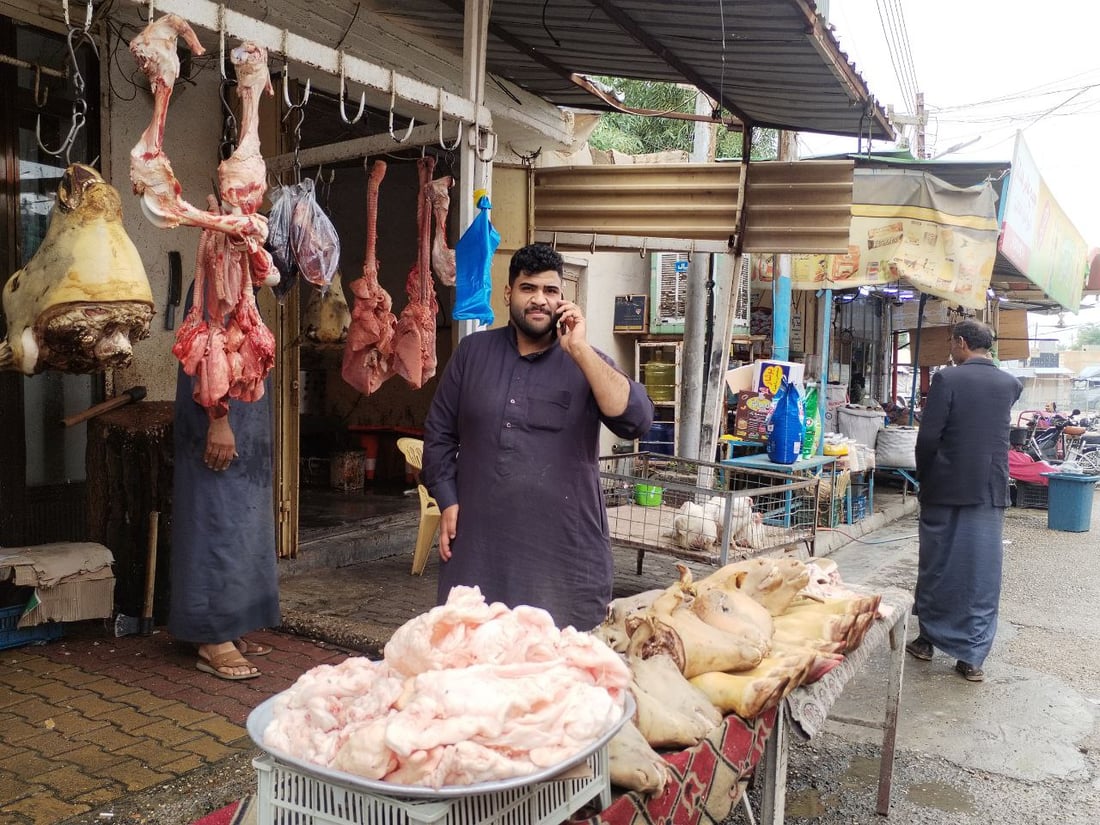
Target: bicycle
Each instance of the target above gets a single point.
(1057, 439)
(1079, 452)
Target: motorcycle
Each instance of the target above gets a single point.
(1062, 438)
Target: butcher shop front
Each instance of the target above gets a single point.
(304, 174)
(338, 108)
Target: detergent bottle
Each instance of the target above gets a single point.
(810, 436)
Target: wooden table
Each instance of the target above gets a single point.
(804, 712)
(703, 780)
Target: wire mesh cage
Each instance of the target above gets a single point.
(703, 511)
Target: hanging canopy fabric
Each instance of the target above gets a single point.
(910, 225)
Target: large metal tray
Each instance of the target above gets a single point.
(261, 716)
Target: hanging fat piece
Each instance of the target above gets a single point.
(83, 298)
(326, 318)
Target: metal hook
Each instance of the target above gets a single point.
(75, 39)
(66, 143)
(221, 40)
(286, 80)
(87, 14)
(554, 241)
(691, 250)
(286, 91)
(40, 101)
(324, 186)
(393, 100)
(592, 248)
(641, 252)
(486, 155)
(362, 98)
(458, 137)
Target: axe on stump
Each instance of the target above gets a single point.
(128, 625)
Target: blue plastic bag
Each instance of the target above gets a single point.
(784, 425)
(473, 262)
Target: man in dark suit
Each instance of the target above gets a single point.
(962, 466)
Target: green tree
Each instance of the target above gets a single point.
(1087, 334)
(640, 134)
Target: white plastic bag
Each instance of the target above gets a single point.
(313, 239)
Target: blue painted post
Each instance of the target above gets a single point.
(781, 310)
(823, 392)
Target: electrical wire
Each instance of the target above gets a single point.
(906, 51)
(891, 540)
(892, 21)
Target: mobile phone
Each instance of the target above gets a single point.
(555, 319)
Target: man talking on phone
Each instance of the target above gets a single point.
(511, 448)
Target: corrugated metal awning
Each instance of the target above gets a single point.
(790, 207)
(773, 63)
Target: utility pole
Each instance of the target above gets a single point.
(694, 358)
(781, 285)
(918, 120)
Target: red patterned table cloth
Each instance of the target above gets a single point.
(704, 781)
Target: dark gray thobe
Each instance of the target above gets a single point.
(224, 581)
(959, 578)
(962, 464)
(514, 441)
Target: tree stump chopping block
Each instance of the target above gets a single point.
(129, 460)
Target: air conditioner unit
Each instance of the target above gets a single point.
(743, 309)
(668, 292)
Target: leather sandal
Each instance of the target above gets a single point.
(249, 648)
(217, 664)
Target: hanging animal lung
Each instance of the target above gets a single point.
(83, 298)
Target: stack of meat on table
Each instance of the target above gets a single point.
(471, 692)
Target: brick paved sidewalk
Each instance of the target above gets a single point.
(89, 720)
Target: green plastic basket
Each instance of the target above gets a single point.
(648, 495)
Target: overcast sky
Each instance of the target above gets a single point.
(987, 69)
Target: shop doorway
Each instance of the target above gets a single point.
(42, 464)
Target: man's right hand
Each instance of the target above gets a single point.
(448, 529)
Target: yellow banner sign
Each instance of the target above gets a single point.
(908, 225)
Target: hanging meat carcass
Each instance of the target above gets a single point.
(83, 297)
(438, 193)
(368, 355)
(154, 49)
(242, 177)
(414, 357)
(223, 343)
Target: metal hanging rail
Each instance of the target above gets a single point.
(34, 67)
(298, 49)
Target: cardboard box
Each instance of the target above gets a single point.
(767, 375)
(68, 581)
(739, 379)
(751, 416)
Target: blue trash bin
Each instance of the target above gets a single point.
(1069, 501)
